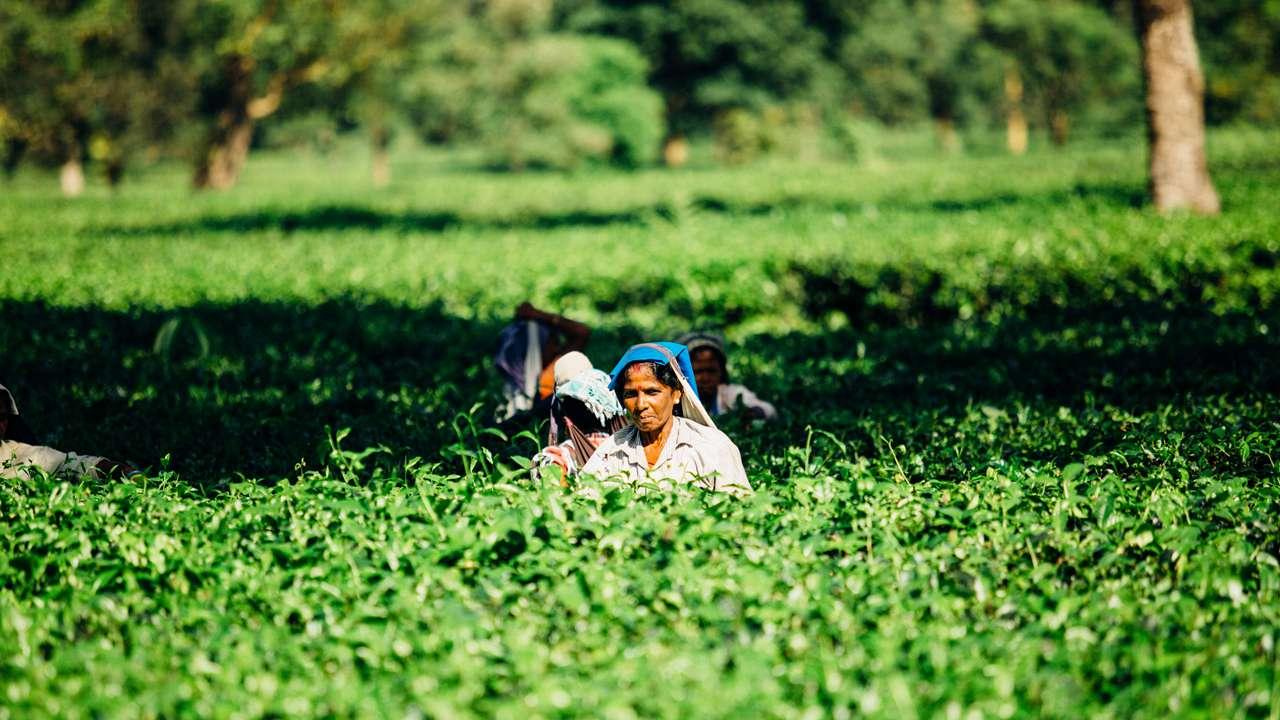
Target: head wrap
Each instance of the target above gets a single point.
(591, 388)
(18, 429)
(587, 391)
(700, 339)
(677, 356)
(570, 365)
(707, 340)
(519, 355)
(7, 404)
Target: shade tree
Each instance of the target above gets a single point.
(375, 48)
(1239, 43)
(907, 60)
(81, 80)
(1175, 108)
(707, 57)
(249, 60)
(530, 97)
(1058, 61)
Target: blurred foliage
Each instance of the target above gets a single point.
(1025, 464)
(712, 55)
(905, 58)
(741, 136)
(533, 83)
(82, 79)
(1075, 61)
(185, 76)
(1240, 49)
(545, 100)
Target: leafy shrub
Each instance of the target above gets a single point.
(609, 90)
(447, 98)
(569, 100)
(741, 136)
(1027, 439)
(546, 101)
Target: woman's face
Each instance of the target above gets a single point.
(707, 372)
(649, 403)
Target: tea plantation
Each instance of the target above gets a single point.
(1025, 465)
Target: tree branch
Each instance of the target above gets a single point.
(269, 101)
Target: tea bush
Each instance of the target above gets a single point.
(1025, 464)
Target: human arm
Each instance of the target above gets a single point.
(112, 469)
(78, 466)
(67, 465)
(751, 403)
(575, 333)
(728, 474)
(558, 455)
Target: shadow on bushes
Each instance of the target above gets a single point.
(274, 378)
(277, 375)
(914, 294)
(360, 217)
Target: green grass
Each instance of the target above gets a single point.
(1025, 464)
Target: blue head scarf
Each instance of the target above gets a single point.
(677, 356)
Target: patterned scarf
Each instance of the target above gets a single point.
(587, 411)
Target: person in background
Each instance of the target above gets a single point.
(527, 350)
(671, 438)
(18, 456)
(711, 368)
(584, 411)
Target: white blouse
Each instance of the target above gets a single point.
(693, 453)
(729, 396)
(16, 458)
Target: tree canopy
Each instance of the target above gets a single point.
(559, 83)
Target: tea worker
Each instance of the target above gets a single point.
(711, 369)
(18, 458)
(670, 437)
(527, 350)
(584, 412)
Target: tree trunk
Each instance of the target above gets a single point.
(71, 176)
(114, 171)
(675, 148)
(13, 152)
(381, 156)
(1059, 127)
(227, 147)
(948, 138)
(675, 151)
(1016, 130)
(226, 154)
(1175, 108)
